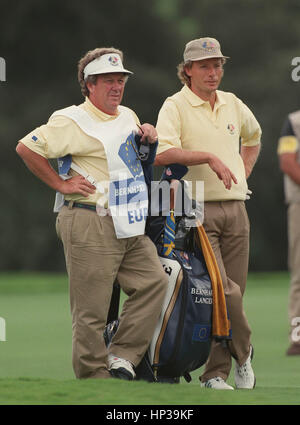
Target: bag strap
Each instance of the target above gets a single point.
(88, 177)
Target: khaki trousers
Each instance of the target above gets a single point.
(95, 258)
(294, 264)
(227, 226)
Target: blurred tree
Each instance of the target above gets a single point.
(261, 39)
(42, 43)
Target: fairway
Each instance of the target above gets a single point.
(36, 365)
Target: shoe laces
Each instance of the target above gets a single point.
(243, 370)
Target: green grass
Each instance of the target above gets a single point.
(35, 359)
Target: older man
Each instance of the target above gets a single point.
(100, 145)
(201, 127)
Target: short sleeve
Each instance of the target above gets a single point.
(288, 142)
(250, 128)
(168, 127)
(55, 139)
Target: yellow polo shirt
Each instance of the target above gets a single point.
(62, 136)
(186, 121)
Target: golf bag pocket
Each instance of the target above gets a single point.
(182, 338)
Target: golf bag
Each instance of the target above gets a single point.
(191, 314)
(182, 338)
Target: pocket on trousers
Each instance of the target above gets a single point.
(57, 227)
(246, 217)
(86, 229)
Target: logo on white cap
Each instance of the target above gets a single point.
(114, 60)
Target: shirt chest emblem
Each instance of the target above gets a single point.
(231, 128)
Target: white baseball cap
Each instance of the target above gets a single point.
(105, 64)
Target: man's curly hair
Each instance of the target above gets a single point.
(182, 75)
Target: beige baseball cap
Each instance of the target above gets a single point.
(202, 48)
(105, 64)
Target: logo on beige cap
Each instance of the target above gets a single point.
(209, 45)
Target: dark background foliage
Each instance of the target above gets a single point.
(42, 41)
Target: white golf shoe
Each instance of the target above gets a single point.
(120, 368)
(216, 383)
(244, 375)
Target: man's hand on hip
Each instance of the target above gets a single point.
(78, 185)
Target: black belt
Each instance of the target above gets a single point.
(79, 205)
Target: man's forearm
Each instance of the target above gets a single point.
(290, 166)
(40, 167)
(181, 156)
(249, 156)
(184, 157)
